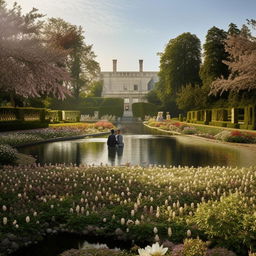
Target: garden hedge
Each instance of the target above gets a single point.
(21, 118)
(21, 125)
(243, 117)
(87, 106)
(142, 109)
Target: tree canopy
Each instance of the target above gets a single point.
(214, 55)
(29, 67)
(81, 63)
(179, 66)
(242, 63)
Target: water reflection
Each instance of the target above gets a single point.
(144, 150)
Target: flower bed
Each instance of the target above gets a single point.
(55, 131)
(128, 203)
(206, 132)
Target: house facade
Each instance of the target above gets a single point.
(131, 86)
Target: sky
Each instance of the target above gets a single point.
(129, 30)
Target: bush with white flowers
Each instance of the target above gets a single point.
(8, 155)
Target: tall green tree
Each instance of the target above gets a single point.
(81, 63)
(179, 65)
(214, 55)
(245, 31)
(233, 29)
(96, 88)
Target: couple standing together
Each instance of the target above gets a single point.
(115, 140)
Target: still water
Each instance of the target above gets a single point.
(143, 147)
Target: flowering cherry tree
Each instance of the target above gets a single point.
(242, 63)
(29, 66)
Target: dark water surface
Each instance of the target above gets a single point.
(143, 147)
(53, 245)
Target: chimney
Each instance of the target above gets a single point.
(114, 65)
(141, 65)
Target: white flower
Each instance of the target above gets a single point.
(5, 220)
(155, 230)
(122, 221)
(157, 239)
(169, 231)
(137, 222)
(4, 208)
(156, 250)
(27, 219)
(143, 252)
(189, 233)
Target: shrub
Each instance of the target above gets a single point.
(235, 136)
(220, 252)
(142, 109)
(104, 124)
(239, 137)
(87, 106)
(174, 128)
(194, 247)
(226, 220)
(177, 250)
(21, 125)
(8, 155)
(16, 139)
(224, 135)
(189, 130)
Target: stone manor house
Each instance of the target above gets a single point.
(132, 86)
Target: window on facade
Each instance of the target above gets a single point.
(126, 100)
(125, 87)
(135, 100)
(135, 87)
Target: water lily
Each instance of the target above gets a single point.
(143, 252)
(154, 250)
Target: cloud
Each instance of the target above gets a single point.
(98, 16)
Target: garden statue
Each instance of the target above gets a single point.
(168, 116)
(159, 117)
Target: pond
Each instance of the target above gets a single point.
(53, 245)
(143, 146)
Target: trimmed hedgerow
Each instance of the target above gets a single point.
(142, 109)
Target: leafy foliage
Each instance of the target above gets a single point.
(214, 54)
(192, 97)
(226, 220)
(81, 62)
(8, 155)
(194, 247)
(179, 66)
(242, 63)
(142, 109)
(29, 67)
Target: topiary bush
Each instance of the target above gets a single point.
(194, 247)
(8, 155)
